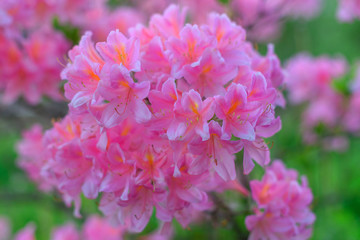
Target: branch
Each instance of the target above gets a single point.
(222, 211)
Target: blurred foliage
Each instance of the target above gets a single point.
(332, 176)
(71, 33)
(224, 1)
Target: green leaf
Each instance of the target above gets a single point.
(224, 1)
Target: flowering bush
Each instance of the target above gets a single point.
(261, 19)
(282, 210)
(26, 29)
(26, 26)
(314, 81)
(348, 10)
(94, 228)
(156, 118)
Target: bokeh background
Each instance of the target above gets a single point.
(333, 176)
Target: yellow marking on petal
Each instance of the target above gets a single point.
(251, 93)
(124, 84)
(264, 193)
(233, 106)
(207, 69)
(220, 34)
(191, 45)
(13, 55)
(194, 107)
(150, 157)
(119, 159)
(126, 130)
(122, 56)
(91, 73)
(70, 130)
(173, 96)
(183, 168)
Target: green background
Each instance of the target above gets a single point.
(333, 177)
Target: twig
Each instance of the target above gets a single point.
(228, 215)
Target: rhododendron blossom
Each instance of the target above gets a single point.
(351, 119)
(310, 80)
(28, 233)
(348, 10)
(32, 52)
(263, 19)
(94, 228)
(28, 70)
(282, 205)
(4, 229)
(156, 117)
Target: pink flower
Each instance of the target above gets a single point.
(164, 232)
(4, 229)
(151, 119)
(66, 232)
(210, 75)
(352, 116)
(125, 96)
(348, 10)
(186, 196)
(188, 48)
(155, 65)
(229, 36)
(337, 143)
(103, 20)
(310, 78)
(255, 150)
(28, 233)
(29, 158)
(162, 104)
(119, 50)
(263, 20)
(236, 114)
(134, 212)
(83, 72)
(30, 71)
(282, 206)
(199, 10)
(169, 23)
(314, 86)
(98, 228)
(217, 153)
(191, 116)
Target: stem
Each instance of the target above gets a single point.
(229, 215)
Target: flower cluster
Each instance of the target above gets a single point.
(282, 210)
(31, 51)
(348, 10)
(261, 19)
(312, 81)
(197, 10)
(29, 71)
(93, 229)
(4, 229)
(156, 118)
(351, 120)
